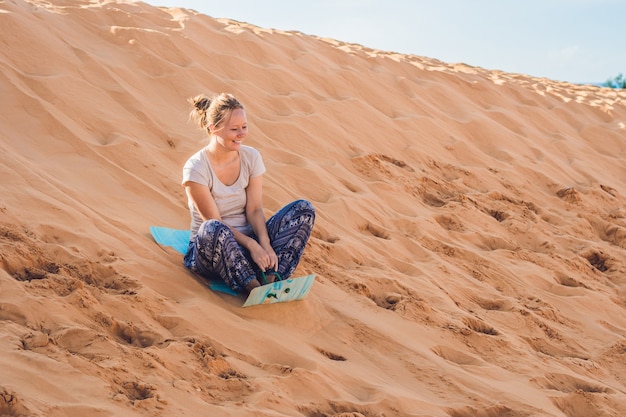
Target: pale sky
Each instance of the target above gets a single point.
(565, 40)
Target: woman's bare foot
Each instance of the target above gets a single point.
(252, 285)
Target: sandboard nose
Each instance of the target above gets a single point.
(291, 289)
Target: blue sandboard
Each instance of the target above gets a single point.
(291, 289)
(177, 239)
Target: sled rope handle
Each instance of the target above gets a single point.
(271, 271)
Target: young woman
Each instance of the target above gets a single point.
(230, 238)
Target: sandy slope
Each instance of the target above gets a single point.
(470, 243)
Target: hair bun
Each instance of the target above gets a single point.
(201, 103)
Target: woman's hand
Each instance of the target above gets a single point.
(264, 257)
(273, 264)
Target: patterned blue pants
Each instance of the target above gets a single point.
(216, 254)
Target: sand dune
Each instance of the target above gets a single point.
(469, 248)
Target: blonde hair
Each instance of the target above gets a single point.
(214, 110)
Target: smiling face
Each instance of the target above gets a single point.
(231, 133)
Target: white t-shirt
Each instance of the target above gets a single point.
(230, 199)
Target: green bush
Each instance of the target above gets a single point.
(617, 82)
